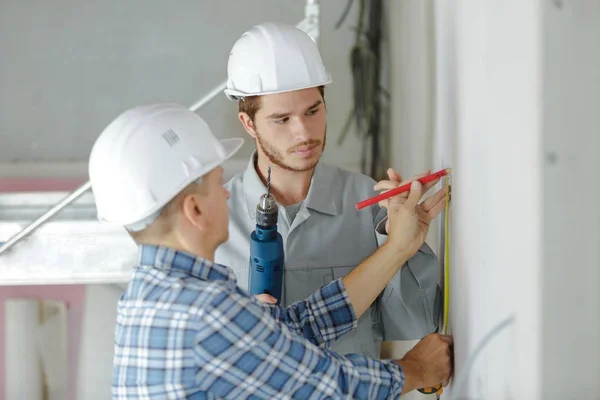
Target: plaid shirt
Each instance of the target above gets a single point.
(186, 331)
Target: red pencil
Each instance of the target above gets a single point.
(400, 189)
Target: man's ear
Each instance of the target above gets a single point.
(193, 210)
(248, 124)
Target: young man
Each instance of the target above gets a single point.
(185, 329)
(276, 75)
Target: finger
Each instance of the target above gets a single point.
(422, 175)
(385, 185)
(436, 210)
(393, 175)
(384, 203)
(429, 185)
(416, 192)
(447, 339)
(266, 298)
(419, 176)
(414, 178)
(433, 200)
(393, 183)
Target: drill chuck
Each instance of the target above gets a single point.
(266, 211)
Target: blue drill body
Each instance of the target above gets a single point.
(266, 251)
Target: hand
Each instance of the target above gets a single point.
(385, 185)
(408, 220)
(266, 298)
(395, 180)
(428, 363)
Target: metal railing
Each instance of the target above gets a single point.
(310, 25)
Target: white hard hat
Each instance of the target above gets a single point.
(146, 156)
(273, 58)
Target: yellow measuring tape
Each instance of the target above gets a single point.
(439, 389)
(446, 257)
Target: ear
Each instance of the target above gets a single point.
(193, 210)
(248, 124)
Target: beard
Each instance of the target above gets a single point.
(278, 158)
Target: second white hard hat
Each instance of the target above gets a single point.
(273, 58)
(146, 156)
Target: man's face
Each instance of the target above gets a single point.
(290, 128)
(215, 205)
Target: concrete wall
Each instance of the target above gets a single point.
(571, 228)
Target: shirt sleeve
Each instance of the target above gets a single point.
(322, 318)
(243, 351)
(379, 220)
(410, 304)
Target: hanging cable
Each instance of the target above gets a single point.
(344, 14)
(365, 65)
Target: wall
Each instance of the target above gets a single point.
(571, 315)
(511, 105)
(497, 197)
(69, 67)
(525, 96)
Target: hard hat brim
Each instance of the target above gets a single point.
(236, 95)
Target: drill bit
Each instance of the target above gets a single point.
(269, 180)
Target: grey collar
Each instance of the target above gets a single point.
(324, 193)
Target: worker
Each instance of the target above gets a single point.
(184, 329)
(276, 75)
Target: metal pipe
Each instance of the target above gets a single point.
(211, 95)
(310, 25)
(49, 214)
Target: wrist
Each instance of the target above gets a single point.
(413, 375)
(399, 254)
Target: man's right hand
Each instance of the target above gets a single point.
(409, 220)
(428, 363)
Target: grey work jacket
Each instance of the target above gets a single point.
(329, 238)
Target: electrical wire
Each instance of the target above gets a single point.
(461, 379)
(344, 14)
(365, 65)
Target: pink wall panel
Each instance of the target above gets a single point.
(39, 184)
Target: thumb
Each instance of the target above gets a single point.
(416, 192)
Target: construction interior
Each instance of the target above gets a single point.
(506, 93)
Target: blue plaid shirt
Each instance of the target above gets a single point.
(186, 331)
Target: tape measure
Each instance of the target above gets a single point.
(446, 309)
(439, 389)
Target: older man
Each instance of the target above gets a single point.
(184, 327)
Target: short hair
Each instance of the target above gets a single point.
(251, 104)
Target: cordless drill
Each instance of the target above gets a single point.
(266, 248)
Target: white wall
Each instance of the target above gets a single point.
(527, 94)
(69, 67)
(516, 94)
(497, 196)
(571, 299)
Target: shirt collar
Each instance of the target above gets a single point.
(168, 259)
(321, 193)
